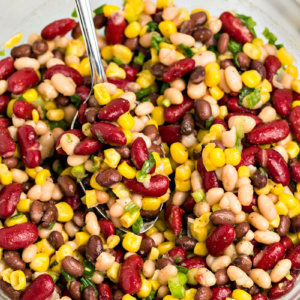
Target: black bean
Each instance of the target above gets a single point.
(89, 293)
(149, 214)
(72, 266)
(187, 124)
(49, 216)
(260, 68)
(93, 248)
(202, 109)
(295, 224)
(62, 100)
(40, 47)
(76, 31)
(226, 63)
(241, 230)
(199, 17)
(124, 151)
(79, 218)
(58, 54)
(28, 274)
(284, 225)
(243, 262)
(13, 259)
(243, 61)
(158, 149)
(56, 239)
(223, 42)
(163, 262)
(9, 291)
(91, 114)
(186, 242)
(158, 70)
(221, 277)
(99, 21)
(202, 33)
(21, 51)
(131, 43)
(197, 75)
(146, 245)
(151, 132)
(36, 211)
(260, 179)
(10, 162)
(108, 177)
(67, 185)
(203, 293)
(117, 295)
(187, 27)
(75, 289)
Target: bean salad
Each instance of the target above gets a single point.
(197, 128)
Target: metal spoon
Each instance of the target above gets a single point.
(97, 75)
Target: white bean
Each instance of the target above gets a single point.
(261, 278)
(144, 109)
(64, 85)
(189, 140)
(267, 207)
(214, 196)
(170, 12)
(239, 276)
(104, 261)
(68, 143)
(248, 122)
(92, 225)
(281, 150)
(178, 84)
(214, 24)
(196, 91)
(47, 90)
(201, 208)
(229, 177)
(266, 237)
(233, 79)
(158, 238)
(244, 247)
(167, 56)
(76, 160)
(71, 229)
(196, 181)
(178, 38)
(19, 176)
(207, 278)
(258, 221)
(148, 268)
(204, 58)
(149, 7)
(229, 138)
(42, 59)
(230, 201)
(54, 62)
(138, 125)
(174, 95)
(220, 262)
(280, 270)
(47, 144)
(245, 194)
(166, 273)
(47, 190)
(3, 86)
(29, 253)
(26, 62)
(223, 84)
(268, 114)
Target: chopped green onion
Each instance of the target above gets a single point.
(143, 92)
(253, 98)
(272, 38)
(234, 47)
(166, 102)
(74, 13)
(252, 253)
(176, 287)
(152, 26)
(100, 138)
(131, 208)
(76, 100)
(54, 277)
(199, 196)
(164, 86)
(2, 52)
(262, 171)
(183, 270)
(156, 39)
(138, 225)
(238, 144)
(55, 263)
(58, 124)
(95, 168)
(243, 93)
(146, 99)
(187, 51)
(89, 269)
(117, 60)
(99, 10)
(209, 122)
(21, 98)
(139, 59)
(79, 172)
(288, 276)
(248, 22)
(278, 46)
(52, 225)
(68, 138)
(67, 276)
(151, 296)
(17, 216)
(147, 167)
(86, 282)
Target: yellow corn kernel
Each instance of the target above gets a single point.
(215, 207)
(151, 203)
(49, 105)
(157, 159)
(252, 51)
(30, 95)
(290, 201)
(265, 97)
(295, 211)
(163, 248)
(164, 3)
(55, 114)
(6, 178)
(168, 168)
(14, 40)
(40, 263)
(154, 284)
(154, 254)
(294, 237)
(190, 294)
(75, 47)
(17, 152)
(63, 251)
(179, 55)
(296, 86)
(217, 156)
(292, 70)
(57, 265)
(200, 249)
(258, 42)
(182, 186)
(117, 94)
(41, 176)
(112, 157)
(9, 109)
(121, 191)
(145, 289)
(126, 121)
(295, 103)
(112, 241)
(216, 93)
(12, 221)
(182, 16)
(199, 233)
(275, 223)
(128, 297)
(169, 297)
(285, 57)
(65, 212)
(128, 136)
(126, 170)
(107, 53)
(131, 242)
(212, 77)
(167, 28)
(209, 166)
(18, 280)
(212, 65)
(81, 238)
(264, 191)
(238, 294)
(158, 115)
(90, 198)
(277, 189)
(218, 129)
(84, 67)
(251, 78)
(167, 46)
(127, 219)
(94, 184)
(74, 66)
(232, 156)
(43, 246)
(183, 172)
(31, 172)
(113, 272)
(161, 225)
(114, 71)
(179, 153)
(243, 171)
(5, 274)
(151, 231)
(154, 56)
(223, 112)
(281, 208)
(123, 53)
(132, 30)
(109, 9)
(23, 205)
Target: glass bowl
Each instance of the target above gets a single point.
(281, 17)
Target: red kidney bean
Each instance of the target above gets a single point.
(174, 113)
(269, 257)
(107, 228)
(57, 28)
(274, 164)
(224, 100)
(210, 179)
(6, 67)
(194, 262)
(40, 289)
(178, 69)
(188, 205)
(113, 110)
(282, 101)
(235, 28)
(108, 134)
(22, 80)
(296, 96)
(220, 239)
(257, 120)
(295, 169)
(269, 133)
(7, 145)
(119, 255)
(158, 186)
(77, 132)
(83, 92)
(272, 64)
(170, 134)
(23, 109)
(139, 153)
(286, 242)
(248, 156)
(234, 106)
(120, 83)
(130, 73)
(294, 120)
(248, 209)
(88, 146)
(105, 292)
(74, 201)
(29, 146)
(4, 99)
(115, 27)
(82, 113)
(293, 255)
(173, 216)
(130, 280)
(177, 254)
(9, 198)
(221, 122)
(220, 293)
(18, 236)
(281, 288)
(4, 122)
(259, 297)
(66, 71)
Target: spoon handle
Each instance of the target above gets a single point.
(89, 35)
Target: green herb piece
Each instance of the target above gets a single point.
(21, 98)
(117, 60)
(89, 269)
(166, 102)
(238, 144)
(52, 225)
(139, 59)
(95, 168)
(209, 122)
(58, 124)
(234, 47)
(151, 296)
(187, 51)
(86, 282)
(199, 196)
(288, 276)
(243, 93)
(2, 52)
(54, 277)
(278, 46)
(17, 216)
(79, 172)
(143, 92)
(156, 39)
(180, 234)
(76, 100)
(252, 253)
(99, 10)
(152, 26)
(146, 99)
(164, 86)
(248, 22)
(253, 98)
(262, 171)
(176, 287)
(147, 167)
(83, 200)
(235, 60)
(74, 13)
(55, 263)
(183, 270)
(100, 138)
(214, 50)
(69, 138)
(67, 276)
(138, 225)
(131, 208)
(272, 38)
